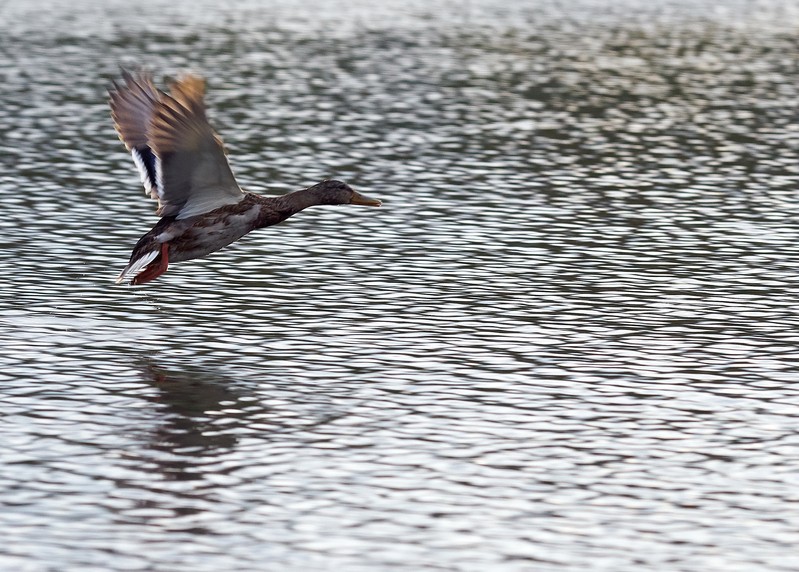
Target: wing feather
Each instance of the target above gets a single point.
(180, 158)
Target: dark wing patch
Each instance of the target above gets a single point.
(146, 162)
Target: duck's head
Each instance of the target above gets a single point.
(332, 192)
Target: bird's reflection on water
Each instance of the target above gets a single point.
(206, 413)
(193, 405)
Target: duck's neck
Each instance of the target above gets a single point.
(299, 200)
(276, 209)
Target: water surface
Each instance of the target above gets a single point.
(567, 341)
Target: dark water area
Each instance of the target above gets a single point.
(566, 342)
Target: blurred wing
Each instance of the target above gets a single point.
(132, 108)
(181, 159)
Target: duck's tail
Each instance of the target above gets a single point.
(145, 267)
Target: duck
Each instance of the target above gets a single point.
(183, 165)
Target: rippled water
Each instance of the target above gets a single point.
(568, 340)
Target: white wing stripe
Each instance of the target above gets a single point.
(144, 174)
(159, 178)
(202, 205)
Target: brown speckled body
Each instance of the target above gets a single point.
(174, 239)
(198, 236)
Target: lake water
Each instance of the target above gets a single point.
(568, 340)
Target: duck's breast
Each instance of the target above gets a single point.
(211, 232)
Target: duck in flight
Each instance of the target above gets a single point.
(183, 165)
